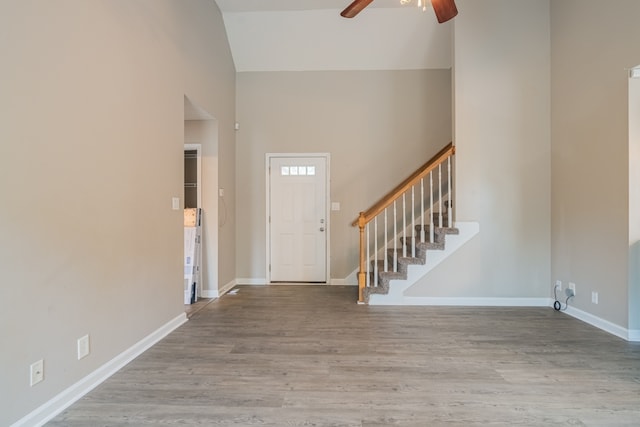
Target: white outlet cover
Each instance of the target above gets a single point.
(36, 372)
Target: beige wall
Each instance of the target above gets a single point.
(91, 148)
(378, 127)
(592, 46)
(501, 80)
(209, 83)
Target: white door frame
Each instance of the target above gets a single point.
(327, 204)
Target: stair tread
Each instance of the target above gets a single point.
(445, 229)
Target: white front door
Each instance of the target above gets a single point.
(298, 222)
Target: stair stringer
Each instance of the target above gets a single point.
(453, 242)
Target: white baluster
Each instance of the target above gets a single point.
(431, 206)
(395, 237)
(375, 251)
(450, 210)
(368, 258)
(404, 225)
(413, 222)
(440, 195)
(384, 255)
(422, 224)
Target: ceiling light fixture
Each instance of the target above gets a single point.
(444, 9)
(421, 3)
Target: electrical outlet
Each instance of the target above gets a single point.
(83, 347)
(594, 297)
(558, 285)
(572, 286)
(36, 372)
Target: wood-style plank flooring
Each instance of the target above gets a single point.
(310, 356)
(191, 309)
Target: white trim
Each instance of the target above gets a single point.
(210, 293)
(327, 214)
(226, 288)
(472, 302)
(605, 325)
(63, 400)
(249, 281)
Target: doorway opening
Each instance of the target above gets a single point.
(200, 157)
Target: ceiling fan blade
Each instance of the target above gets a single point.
(354, 8)
(444, 9)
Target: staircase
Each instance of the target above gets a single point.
(409, 231)
(400, 261)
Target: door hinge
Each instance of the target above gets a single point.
(269, 268)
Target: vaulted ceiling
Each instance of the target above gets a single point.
(302, 35)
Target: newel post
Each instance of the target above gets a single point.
(362, 281)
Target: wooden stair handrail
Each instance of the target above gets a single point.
(366, 216)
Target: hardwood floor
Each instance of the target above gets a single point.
(310, 356)
(192, 309)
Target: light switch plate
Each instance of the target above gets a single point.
(83, 347)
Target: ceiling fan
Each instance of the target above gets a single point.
(444, 9)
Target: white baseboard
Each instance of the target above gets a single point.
(211, 293)
(59, 403)
(472, 302)
(245, 281)
(605, 325)
(262, 281)
(226, 288)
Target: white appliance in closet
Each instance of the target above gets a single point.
(192, 254)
